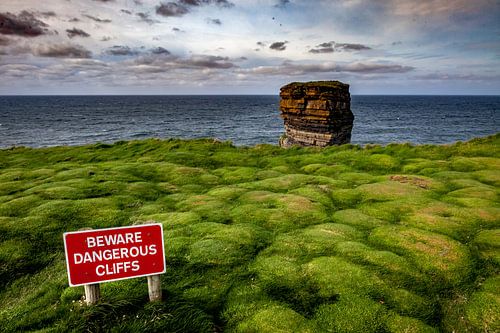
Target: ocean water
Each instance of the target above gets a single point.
(39, 121)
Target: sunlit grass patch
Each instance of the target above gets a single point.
(379, 162)
(226, 192)
(488, 243)
(490, 177)
(275, 318)
(14, 187)
(356, 218)
(462, 183)
(33, 299)
(476, 192)
(279, 270)
(74, 173)
(357, 178)
(466, 164)
(351, 313)
(143, 190)
(409, 303)
(451, 175)
(234, 175)
(20, 206)
(435, 254)
(346, 198)
(393, 267)
(329, 170)
(287, 182)
(402, 324)
(315, 193)
(395, 210)
(209, 208)
(424, 166)
(483, 307)
(243, 301)
(278, 211)
(193, 176)
(444, 218)
(219, 244)
(389, 190)
(335, 276)
(308, 243)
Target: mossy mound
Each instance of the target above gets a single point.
(260, 239)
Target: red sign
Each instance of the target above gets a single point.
(94, 256)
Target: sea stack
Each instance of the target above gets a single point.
(316, 113)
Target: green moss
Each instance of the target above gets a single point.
(351, 314)
(335, 276)
(483, 311)
(356, 218)
(398, 238)
(275, 319)
(488, 243)
(435, 254)
(401, 324)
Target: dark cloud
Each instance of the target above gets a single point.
(76, 33)
(282, 3)
(48, 14)
(220, 3)
(160, 50)
(278, 46)
(182, 7)
(207, 61)
(214, 21)
(104, 0)
(138, 2)
(171, 9)
(62, 51)
(152, 63)
(74, 19)
(330, 47)
(126, 11)
(457, 77)
(397, 43)
(177, 29)
(322, 48)
(4, 41)
(261, 44)
(145, 17)
(289, 68)
(326, 44)
(121, 50)
(105, 38)
(97, 19)
(24, 24)
(351, 47)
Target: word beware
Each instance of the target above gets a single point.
(94, 256)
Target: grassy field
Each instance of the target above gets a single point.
(344, 239)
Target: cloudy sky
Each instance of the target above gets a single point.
(248, 46)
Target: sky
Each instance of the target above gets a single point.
(60, 47)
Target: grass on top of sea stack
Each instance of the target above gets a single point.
(399, 238)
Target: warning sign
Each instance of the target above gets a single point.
(94, 256)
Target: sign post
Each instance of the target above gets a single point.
(94, 256)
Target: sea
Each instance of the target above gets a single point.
(43, 121)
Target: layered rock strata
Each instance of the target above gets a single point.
(316, 113)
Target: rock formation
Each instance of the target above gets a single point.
(316, 113)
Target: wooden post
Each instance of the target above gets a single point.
(92, 293)
(154, 288)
